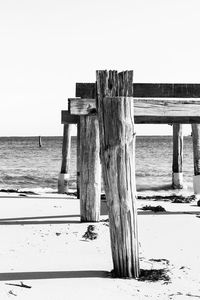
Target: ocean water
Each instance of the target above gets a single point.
(25, 166)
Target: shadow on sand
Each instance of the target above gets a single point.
(54, 275)
(39, 220)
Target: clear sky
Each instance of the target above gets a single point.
(49, 45)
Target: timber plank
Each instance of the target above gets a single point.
(172, 90)
(166, 120)
(172, 107)
(78, 106)
(86, 90)
(148, 110)
(67, 118)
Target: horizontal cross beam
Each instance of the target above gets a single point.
(67, 118)
(146, 110)
(169, 90)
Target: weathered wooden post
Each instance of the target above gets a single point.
(196, 157)
(177, 167)
(90, 169)
(78, 160)
(63, 179)
(117, 136)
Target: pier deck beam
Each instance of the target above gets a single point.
(177, 166)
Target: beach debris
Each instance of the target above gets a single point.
(182, 199)
(157, 208)
(173, 198)
(17, 191)
(154, 275)
(162, 260)
(9, 191)
(90, 234)
(177, 294)
(103, 197)
(192, 295)
(105, 220)
(106, 224)
(22, 285)
(58, 233)
(71, 193)
(12, 293)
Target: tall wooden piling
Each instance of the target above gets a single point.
(63, 179)
(90, 169)
(117, 137)
(78, 160)
(177, 166)
(196, 157)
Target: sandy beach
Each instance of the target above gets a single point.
(43, 254)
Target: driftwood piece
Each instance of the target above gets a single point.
(22, 285)
(90, 233)
(117, 155)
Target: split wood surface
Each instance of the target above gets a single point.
(147, 110)
(117, 137)
(90, 169)
(196, 147)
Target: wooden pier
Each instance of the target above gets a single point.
(106, 112)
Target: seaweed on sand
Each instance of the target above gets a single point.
(17, 191)
(90, 234)
(173, 198)
(154, 275)
(157, 208)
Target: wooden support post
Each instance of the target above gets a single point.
(177, 167)
(90, 169)
(196, 157)
(40, 141)
(117, 138)
(63, 179)
(78, 160)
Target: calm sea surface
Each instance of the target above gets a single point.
(25, 166)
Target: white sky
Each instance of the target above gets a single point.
(46, 46)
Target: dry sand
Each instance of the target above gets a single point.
(42, 246)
